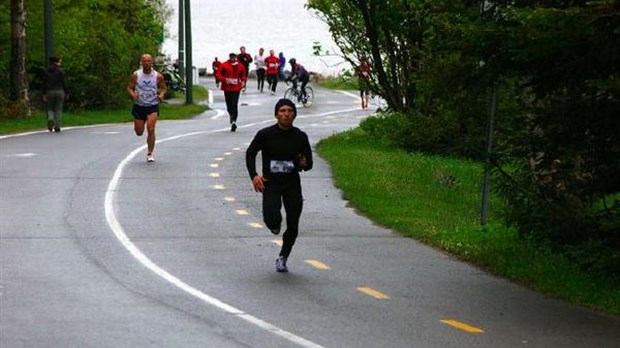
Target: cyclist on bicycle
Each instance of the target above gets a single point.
(299, 73)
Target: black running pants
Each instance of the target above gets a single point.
(289, 194)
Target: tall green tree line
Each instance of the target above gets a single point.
(555, 66)
(100, 42)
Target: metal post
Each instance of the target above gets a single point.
(181, 54)
(49, 35)
(487, 161)
(188, 55)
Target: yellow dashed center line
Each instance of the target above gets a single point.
(277, 242)
(227, 153)
(229, 199)
(214, 175)
(374, 293)
(236, 148)
(214, 165)
(462, 326)
(242, 212)
(318, 264)
(256, 225)
(219, 187)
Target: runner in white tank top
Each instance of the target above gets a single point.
(147, 88)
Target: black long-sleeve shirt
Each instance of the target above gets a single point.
(280, 149)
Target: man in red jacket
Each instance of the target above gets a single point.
(232, 76)
(273, 64)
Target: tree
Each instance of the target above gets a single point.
(564, 139)
(19, 77)
(391, 34)
(97, 58)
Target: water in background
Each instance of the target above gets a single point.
(220, 27)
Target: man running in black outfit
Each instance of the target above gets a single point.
(285, 151)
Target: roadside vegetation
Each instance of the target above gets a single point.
(168, 111)
(436, 200)
(528, 90)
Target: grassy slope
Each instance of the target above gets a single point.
(437, 200)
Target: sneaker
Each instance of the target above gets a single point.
(57, 129)
(50, 125)
(281, 264)
(275, 231)
(233, 127)
(150, 157)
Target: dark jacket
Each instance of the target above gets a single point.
(53, 79)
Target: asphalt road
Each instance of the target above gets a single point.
(100, 249)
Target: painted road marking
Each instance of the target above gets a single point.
(374, 293)
(219, 187)
(227, 153)
(23, 155)
(122, 237)
(242, 212)
(219, 158)
(214, 175)
(214, 165)
(277, 242)
(318, 264)
(229, 199)
(256, 225)
(462, 326)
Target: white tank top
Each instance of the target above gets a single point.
(146, 86)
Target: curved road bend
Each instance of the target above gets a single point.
(100, 249)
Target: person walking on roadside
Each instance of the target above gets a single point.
(285, 151)
(282, 66)
(363, 73)
(259, 61)
(299, 74)
(273, 67)
(215, 66)
(54, 93)
(147, 88)
(245, 59)
(232, 76)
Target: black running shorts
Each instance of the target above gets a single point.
(141, 112)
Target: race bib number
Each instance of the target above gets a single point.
(233, 81)
(147, 96)
(282, 166)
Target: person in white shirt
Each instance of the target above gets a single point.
(259, 61)
(147, 88)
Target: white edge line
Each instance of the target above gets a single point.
(120, 234)
(352, 95)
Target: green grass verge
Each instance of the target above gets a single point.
(340, 82)
(167, 111)
(436, 200)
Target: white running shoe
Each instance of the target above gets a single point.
(150, 157)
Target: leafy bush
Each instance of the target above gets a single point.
(10, 109)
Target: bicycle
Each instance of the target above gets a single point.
(174, 81)
(294, 93)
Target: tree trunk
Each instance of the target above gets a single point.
(19, 77)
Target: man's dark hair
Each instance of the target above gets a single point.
(54, 60)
